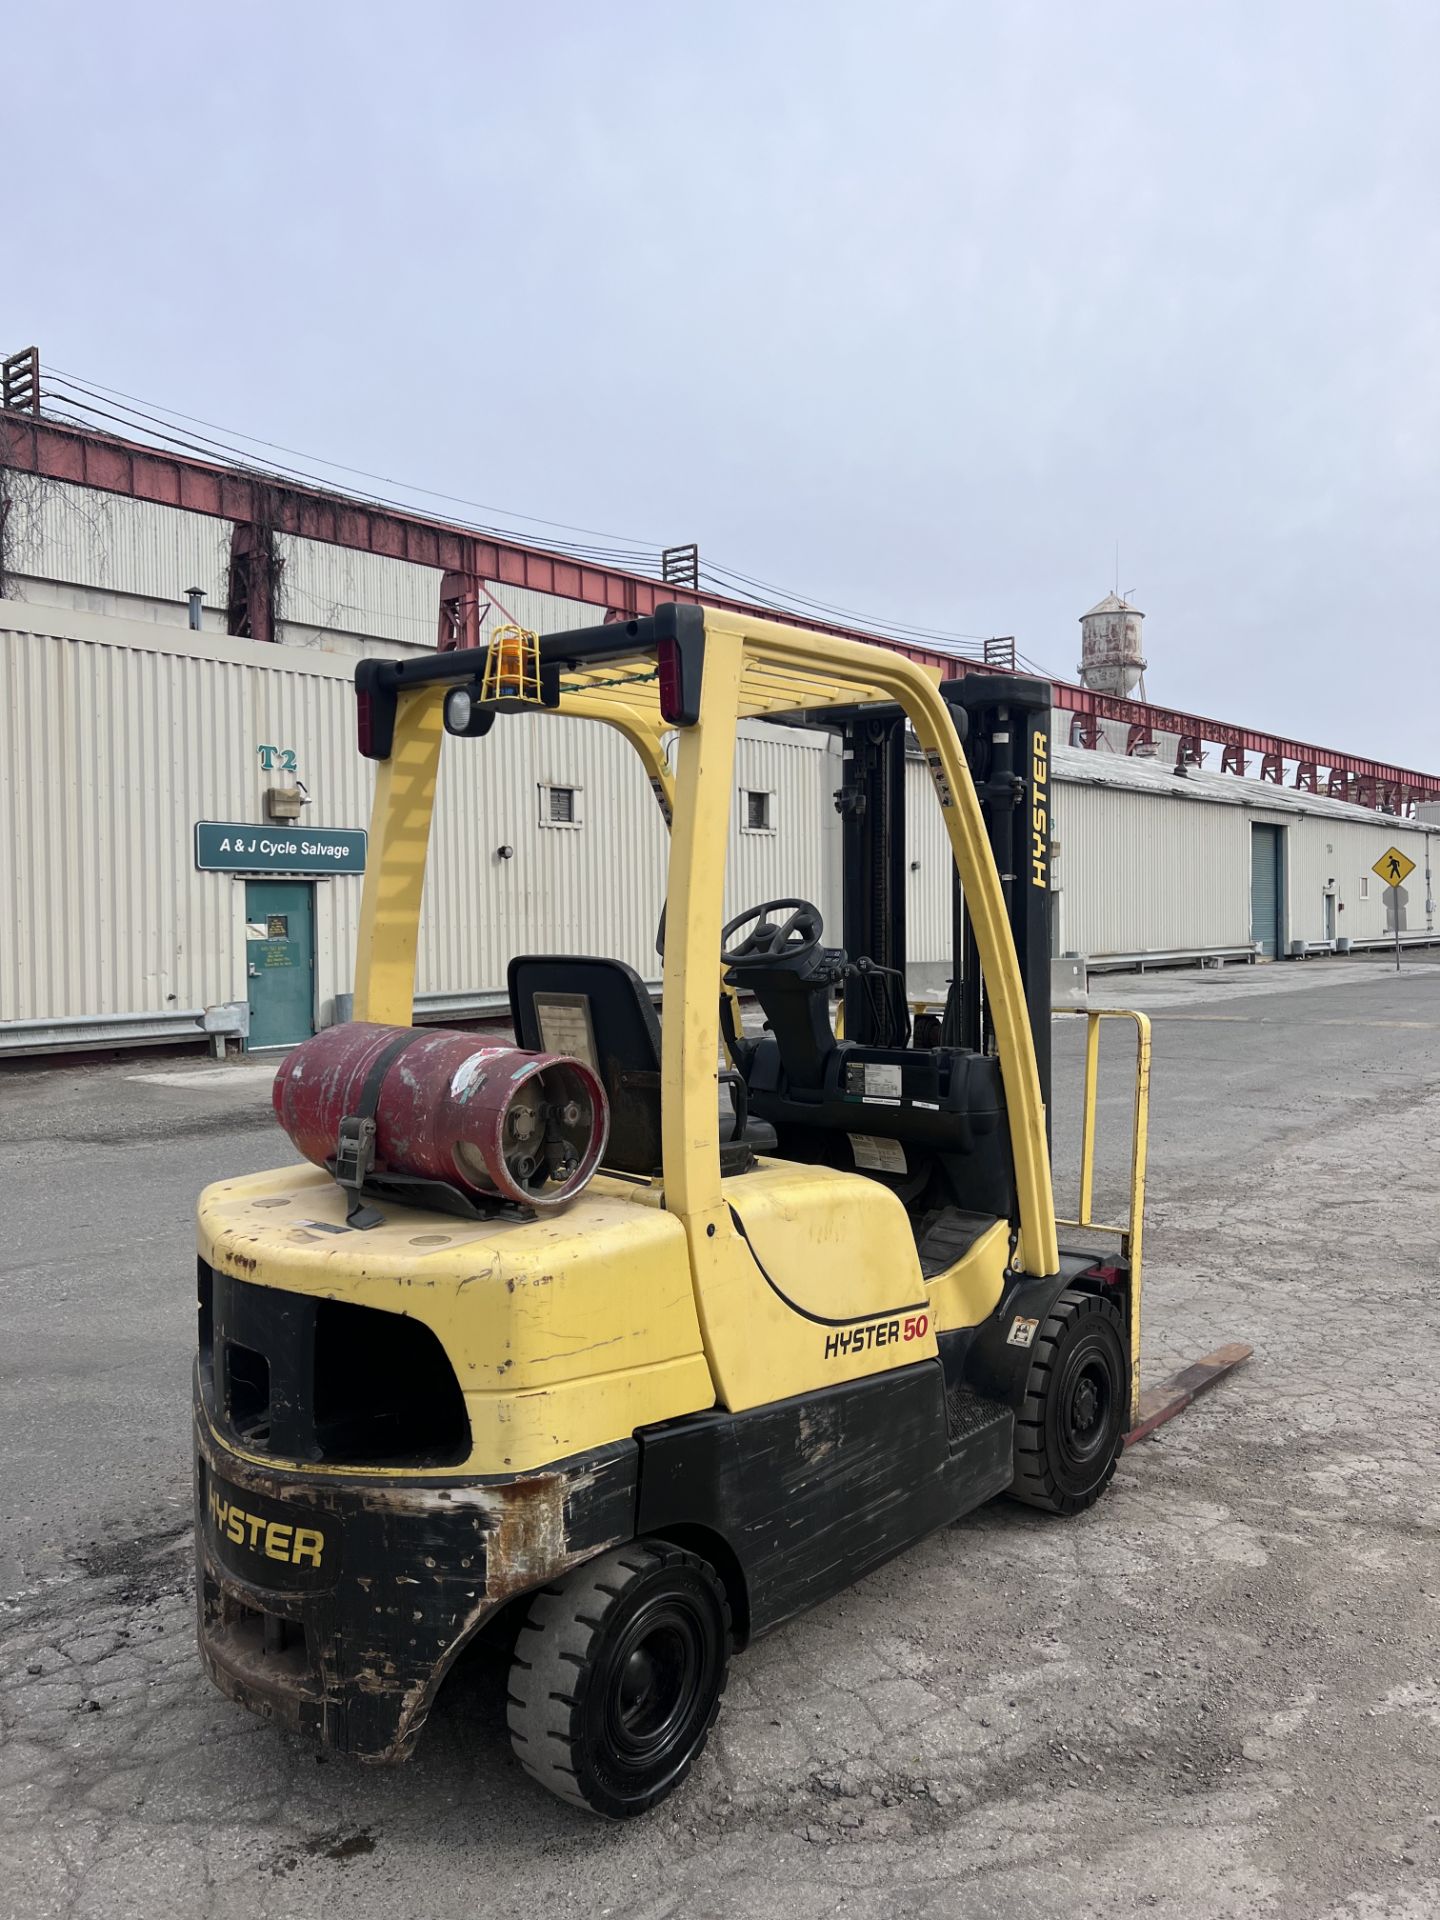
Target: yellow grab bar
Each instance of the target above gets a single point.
(1131, 1234)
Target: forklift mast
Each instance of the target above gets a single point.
(871, 805)
(1007, 746)
(1004, 723)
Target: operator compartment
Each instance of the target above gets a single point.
(930, 1123)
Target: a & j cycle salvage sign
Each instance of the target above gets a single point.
(236, 847)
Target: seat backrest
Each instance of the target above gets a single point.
(601, 1012)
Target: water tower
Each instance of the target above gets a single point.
(1111, 656)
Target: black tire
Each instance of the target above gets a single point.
(1070, 1426)
(617, 1677)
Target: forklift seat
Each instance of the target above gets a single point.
(600, 1011)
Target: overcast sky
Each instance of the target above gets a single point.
(917, 309)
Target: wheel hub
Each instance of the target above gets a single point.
(1085, 1410)
(1087, 1403)
(652, 1686)
(638, 1683)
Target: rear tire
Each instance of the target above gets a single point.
(617, 1677)
(1070, 1426)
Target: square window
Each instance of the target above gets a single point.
(559, 806)
(758, 817)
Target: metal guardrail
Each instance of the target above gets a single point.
(1171, 957)
(1247, 956)
(1418, 938)
(1131, 1232)
(452, 1006)
(75, 1033)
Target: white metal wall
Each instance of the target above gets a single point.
(74, 546)
(929, 865)
(1149, 872)
(538, 612)
(1321, 851)
(111, 753)
(328, 591)
(77, 547)
(1155, 869)
(596, 887)
(1141, 873)
(118, 736)
(591, 888)
(334, 589)
(797, 856)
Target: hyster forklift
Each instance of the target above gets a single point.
(542, 1344)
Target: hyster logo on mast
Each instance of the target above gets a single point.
(1040, 811)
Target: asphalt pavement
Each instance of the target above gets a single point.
(1218, 1693)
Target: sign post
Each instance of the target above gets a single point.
(1394, 868)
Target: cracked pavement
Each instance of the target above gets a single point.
(1216, 1694)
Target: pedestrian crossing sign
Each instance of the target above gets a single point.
(1394, 867)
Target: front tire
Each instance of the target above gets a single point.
(1071, 1424)
(617, 1677)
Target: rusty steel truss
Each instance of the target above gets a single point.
(262, 505)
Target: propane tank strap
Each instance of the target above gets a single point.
(355, 1145)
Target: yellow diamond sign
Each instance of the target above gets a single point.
(1394, 867)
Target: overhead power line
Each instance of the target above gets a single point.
(155, 420)
(633, 543)
(151, 426)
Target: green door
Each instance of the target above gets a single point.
(280, 954)
(1266, 889)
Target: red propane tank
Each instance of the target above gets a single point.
(496, 1122)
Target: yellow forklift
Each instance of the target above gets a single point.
(540, 1344)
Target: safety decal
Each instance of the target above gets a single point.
(880, 1156)
(1022, 1332)
(937, 774)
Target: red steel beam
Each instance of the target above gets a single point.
(58, 452)
(31, 444)
(1105, 706)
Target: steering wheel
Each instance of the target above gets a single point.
(796, 935)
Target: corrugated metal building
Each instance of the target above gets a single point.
(1151, 864)
(1151, 861)
(120, 735)
(123, 728)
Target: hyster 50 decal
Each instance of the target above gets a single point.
(877, 1333)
